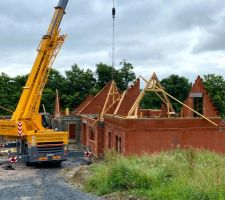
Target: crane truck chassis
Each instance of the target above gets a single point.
(35, 142)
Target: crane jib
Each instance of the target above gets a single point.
(62, 4)
(56, 20)
(29, 102)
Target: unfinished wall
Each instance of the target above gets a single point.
(152, 131)
(101, 102)
(128, 99)
(92, 135)
(198, 91)
(63, 123)
(96, 104)
(154, 135)
(83, 104)
(114, 138)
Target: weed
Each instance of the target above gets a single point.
(179, 174)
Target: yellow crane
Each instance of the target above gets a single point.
(36, 141)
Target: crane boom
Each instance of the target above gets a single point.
(48, 49)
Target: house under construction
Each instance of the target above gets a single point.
(113, 120)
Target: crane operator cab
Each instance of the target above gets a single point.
(45, 119)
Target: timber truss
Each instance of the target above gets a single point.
(113, 97)
(153, 85)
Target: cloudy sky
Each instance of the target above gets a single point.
(168, 37)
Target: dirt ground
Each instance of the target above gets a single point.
(41, 182)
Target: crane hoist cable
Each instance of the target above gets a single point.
(113, 38)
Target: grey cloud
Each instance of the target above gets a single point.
(189, 14)
(212, 40)
(156, 33)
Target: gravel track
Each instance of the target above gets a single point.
(38, 183)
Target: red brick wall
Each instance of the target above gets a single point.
(83, 104)
(137, 136)
(96, 145)
(100, 139)
(150, 113)
(115, 131)
(209, 110)
(154, 135)
(161, 140)
(95, 105)
(130, 97)
(97, 102)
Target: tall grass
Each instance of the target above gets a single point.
(179, 174)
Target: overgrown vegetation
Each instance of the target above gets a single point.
(175, 175)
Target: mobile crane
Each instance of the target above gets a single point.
(36, 142)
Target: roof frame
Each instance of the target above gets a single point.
(153, 85)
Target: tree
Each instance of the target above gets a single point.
(55, 81)
(79, 84)
(178, 87)
(126, 75)
(48, 100)
(18, 83)
(105, 74)
(151, 100)
(8, 91)
(215, 85)
(123, 77)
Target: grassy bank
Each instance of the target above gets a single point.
(179, 174)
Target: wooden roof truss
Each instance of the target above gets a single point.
(153, 85)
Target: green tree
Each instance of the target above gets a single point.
(178, 87)
(151, 100)
(17, 83)
(126, 75)
(123, 76)
(105, 74)
(79, 84)
(55, 81)
(48, 100)
(7, 90)
(215, 85)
